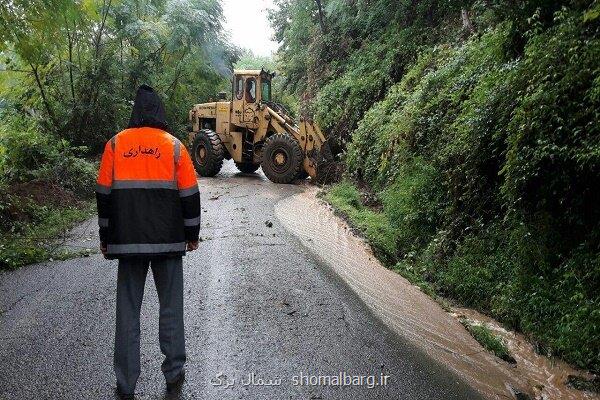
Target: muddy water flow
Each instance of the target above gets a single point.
(414, 315)
(546, 376)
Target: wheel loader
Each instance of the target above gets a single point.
(254, 132)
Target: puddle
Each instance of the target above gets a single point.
(411, 313)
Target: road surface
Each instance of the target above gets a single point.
(257, 304)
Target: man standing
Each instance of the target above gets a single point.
(149, 215)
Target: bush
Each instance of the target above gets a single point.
(413, 205)
(27, 154)
(45, 187)
(553, 157)
(343, 100)
(482, 273)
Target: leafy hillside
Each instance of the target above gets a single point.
(471, 136)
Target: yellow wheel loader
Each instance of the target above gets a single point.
(254, 132)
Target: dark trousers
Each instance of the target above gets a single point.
(168, 278)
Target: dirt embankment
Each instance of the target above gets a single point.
(19, 196)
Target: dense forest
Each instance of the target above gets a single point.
(470, 131)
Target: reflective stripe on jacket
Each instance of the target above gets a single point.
(147, 194)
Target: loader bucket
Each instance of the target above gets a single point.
(327, 169)
(319, 162)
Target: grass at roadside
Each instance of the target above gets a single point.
(37, 236)
(489, 341)
(374, 226)
(46, 187)
(477, 272)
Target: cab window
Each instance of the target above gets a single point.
(239, 87)
(266, 90)
(250, 90)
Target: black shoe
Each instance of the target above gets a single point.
(124, 396)
(176, 383)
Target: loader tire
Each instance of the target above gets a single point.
(247, 167)
(207, 153)
(281, 158)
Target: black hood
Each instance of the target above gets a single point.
(148, 110)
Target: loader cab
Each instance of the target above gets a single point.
(250, 88)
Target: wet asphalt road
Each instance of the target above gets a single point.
(256, 301)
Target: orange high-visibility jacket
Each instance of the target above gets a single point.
(147, 193)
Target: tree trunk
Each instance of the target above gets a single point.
(122, 66)
(106, 8)
(70, 38)
(321, 17)
(43, 94)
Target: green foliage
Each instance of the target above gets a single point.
(592, 13)
(342, 101)
(413, 205)
(42, 179)
(556, 127)
(249, 60)
(342, 62)
(294, 26)
(68, 74)
(76, 75)
(489, 341)
(481, 273)
(484, 153)
(563, 309)
(375, 226)
(27, 154)
(34, 240)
